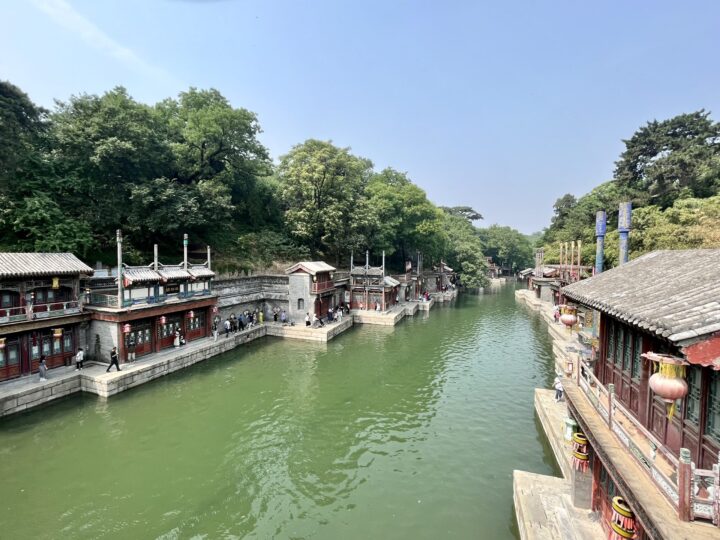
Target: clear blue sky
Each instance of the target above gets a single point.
(504, 106)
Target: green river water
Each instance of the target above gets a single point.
(409, 432)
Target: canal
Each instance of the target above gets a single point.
(407, 433)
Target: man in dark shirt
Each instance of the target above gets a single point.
(113, 360)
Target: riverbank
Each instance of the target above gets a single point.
(19, 395)
(544, 505)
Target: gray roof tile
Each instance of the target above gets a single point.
(675, 294)
(14, 265)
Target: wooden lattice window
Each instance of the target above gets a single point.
(637, 351)
(627, 350)
(620, 338)
(713, 407)
(611, 340)
(693, 398)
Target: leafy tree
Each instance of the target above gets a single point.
(463, 251)
(322, 188)
(402, 219)
(467, 212)
(677, 157)
(508, 247)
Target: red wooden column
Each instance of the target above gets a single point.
(685, 483)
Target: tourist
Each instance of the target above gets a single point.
(330, 315)
(79, 357)
(182, 339)
(215, 331)
(316, 321)
(275, 315)
(557, 385)
(131, 347)
(114, 359)
(227, 327)
(307, 319)
(176, 341)
(283, 317)
(42, 369)
(377, 305)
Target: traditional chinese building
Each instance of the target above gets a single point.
(311, 289)
(40, 310)
(370, 287)
(649, 402)
(148, 304)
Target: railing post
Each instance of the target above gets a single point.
(611, 400)
(685, 481)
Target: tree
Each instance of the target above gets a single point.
(463, 251)
(322, 188)
(402, 218)
(467, 212)
(508, 247)
(672, 158)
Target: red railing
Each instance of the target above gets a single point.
(322, 286)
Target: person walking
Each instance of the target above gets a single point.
(215, 331)
(79, 357)
(42, 369)
(283, 317)
(227, 327)
(176, 341)
(113, 360)
(557, 384)
(307, 319)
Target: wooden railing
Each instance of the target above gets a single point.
(322, 286)
(681, 488)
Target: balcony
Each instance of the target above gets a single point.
(39, 311)
(322, 286)
(689, 490)
(111, 300)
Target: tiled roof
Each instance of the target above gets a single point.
(174, 271)
(372, 271)
(673, 294)
(311, 268)
(41, 264)
(200, 271)
(140, 274)
(391, 281)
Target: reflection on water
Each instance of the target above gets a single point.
(405, 433)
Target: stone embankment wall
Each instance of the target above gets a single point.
(238, 294)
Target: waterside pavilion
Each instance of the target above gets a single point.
(649, 399)
(40, 310)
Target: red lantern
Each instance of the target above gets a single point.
(191, 314)
(568, 319)
(126, 328)
(163, 319)
(668, 388)
(215, 309)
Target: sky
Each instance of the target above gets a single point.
(502, 106)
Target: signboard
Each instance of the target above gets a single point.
(56, 283)
(172, 288)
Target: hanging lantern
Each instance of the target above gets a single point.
(163, 320)
(568, 317)
(215, 309)
(57, 332)
(581, 458)
(668, 381)
(622, 522)
(191, 314)
(126, 328)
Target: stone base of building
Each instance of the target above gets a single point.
(544, 510)
(426, 306)
(384, 318)
(306, 333)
